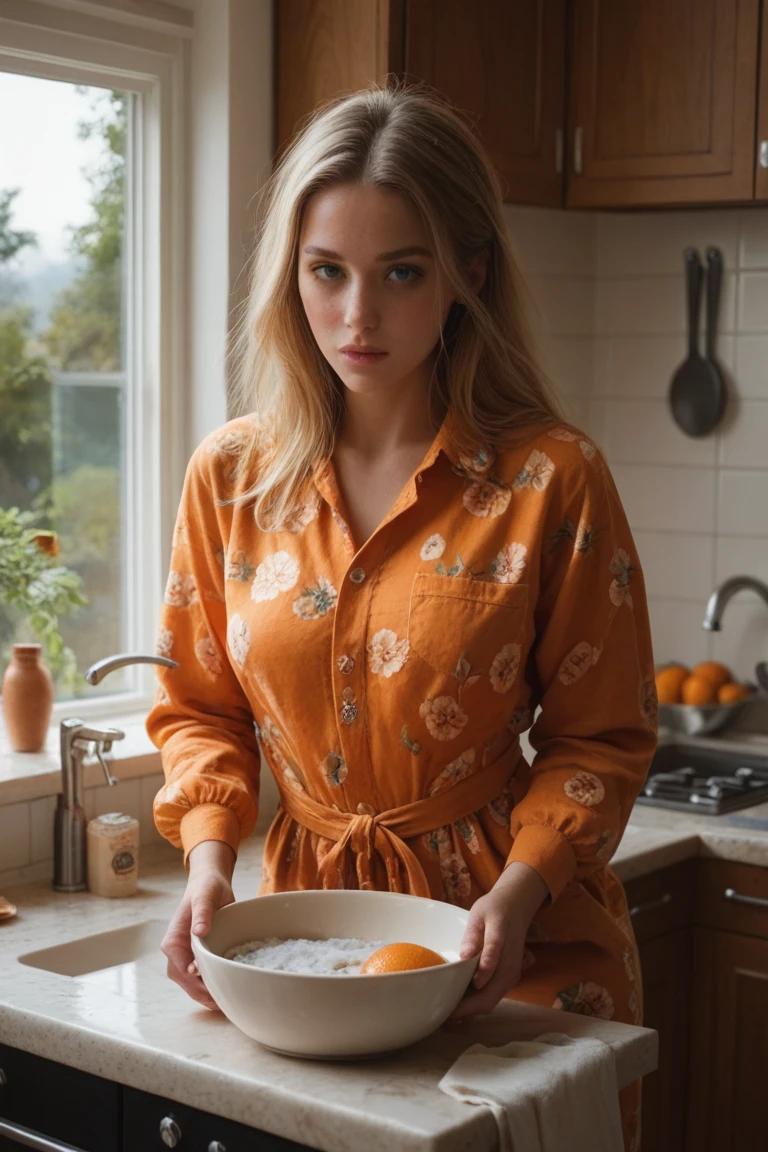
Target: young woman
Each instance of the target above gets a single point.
(383, 570)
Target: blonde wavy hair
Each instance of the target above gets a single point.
(404, 138)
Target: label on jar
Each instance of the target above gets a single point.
(123, 862)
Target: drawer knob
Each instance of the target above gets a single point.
(737, 898)
(170, 1133)
(216, 1146)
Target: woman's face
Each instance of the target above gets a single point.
(367, 279)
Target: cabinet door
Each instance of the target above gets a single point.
(50, 1099)
(666, 965)
(662, 102)
(325, 47)
(730, 1043)
(504, 64)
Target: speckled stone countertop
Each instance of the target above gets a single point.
(132, 1025)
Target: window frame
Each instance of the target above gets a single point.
(156, 66)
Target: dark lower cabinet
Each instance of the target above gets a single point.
(64, 1104)
(49, 1106)
(151, 1122)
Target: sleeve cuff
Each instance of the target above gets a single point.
(209, 822)
(549, 852)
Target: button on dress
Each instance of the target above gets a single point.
(385, 683)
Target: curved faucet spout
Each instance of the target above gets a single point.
(721, 595)
(102, 668)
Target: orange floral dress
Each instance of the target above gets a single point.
(385, 684)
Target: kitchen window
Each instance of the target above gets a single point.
(92, 437)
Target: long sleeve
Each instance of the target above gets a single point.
(201, 720)
(592, 668)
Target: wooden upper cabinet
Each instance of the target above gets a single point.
(662, 102)
(326, 47)
(504, 64)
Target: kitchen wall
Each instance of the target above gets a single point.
(611, 324)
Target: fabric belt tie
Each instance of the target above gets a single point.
(385, 834)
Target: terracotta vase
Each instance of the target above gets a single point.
(27, 699)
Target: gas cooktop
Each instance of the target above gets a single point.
(704, 780)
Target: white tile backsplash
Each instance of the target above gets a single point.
(640, 432)
(677, 564)
(668, 498)
(698, 508)
(743, 504)
(743, 443)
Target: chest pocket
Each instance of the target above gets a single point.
(452, 616)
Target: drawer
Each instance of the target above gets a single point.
(146, 1116)
(53, 1100)
(732, 897)
(661, 901)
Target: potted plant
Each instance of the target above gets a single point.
(35, 591)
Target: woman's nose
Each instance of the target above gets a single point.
(361, 308)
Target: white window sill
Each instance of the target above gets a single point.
(30, 775)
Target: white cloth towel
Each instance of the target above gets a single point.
(551, 1094)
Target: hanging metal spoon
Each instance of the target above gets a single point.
(697, 392)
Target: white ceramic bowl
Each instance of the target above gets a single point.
(336, 1016)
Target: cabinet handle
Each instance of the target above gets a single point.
(170, 1133)
(651, 905)
(756, 901)
(216, 1146)
(559, 151)
(29, 1139)
(764, 153)
(577, 136)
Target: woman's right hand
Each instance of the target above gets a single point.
(209, 887)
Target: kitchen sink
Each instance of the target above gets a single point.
(105, 950)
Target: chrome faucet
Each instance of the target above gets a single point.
(69, 823)
(721, 595)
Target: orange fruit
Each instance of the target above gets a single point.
(699, 690)
(730, 692)
(669, 681)
(714, 671)
(400, 958)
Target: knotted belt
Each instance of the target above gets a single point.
(385, 834)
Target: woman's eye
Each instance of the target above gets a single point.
(405, 268)
(322, 267)
(411, 274)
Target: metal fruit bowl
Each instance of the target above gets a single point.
(701, 719)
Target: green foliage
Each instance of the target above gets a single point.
(25, 412)
(11, 243)
(37, 590)
(85, 328)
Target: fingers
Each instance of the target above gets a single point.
(485, 999)
(195, 912)
(493, 941)
(473, 936)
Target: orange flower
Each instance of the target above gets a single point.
(48, 542)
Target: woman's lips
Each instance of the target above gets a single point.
(364, 357)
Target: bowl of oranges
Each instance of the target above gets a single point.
(336, 973)
(701, 700)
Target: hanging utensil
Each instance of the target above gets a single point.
(697, 391)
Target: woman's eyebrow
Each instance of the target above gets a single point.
(398, 254)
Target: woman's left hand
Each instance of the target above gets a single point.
(498, 923)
